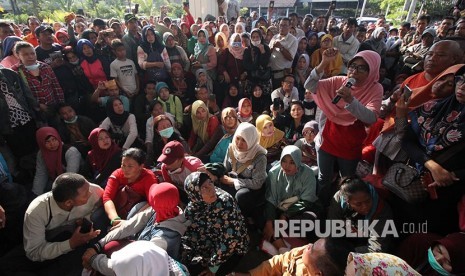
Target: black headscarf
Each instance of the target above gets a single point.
(116, 119)
(150, 47)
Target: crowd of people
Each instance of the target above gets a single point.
(162, 146)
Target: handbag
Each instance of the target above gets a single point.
(404, 181)
(125, 199)
(261, 73)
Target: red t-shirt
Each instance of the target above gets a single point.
(344, 141)
(117, 180)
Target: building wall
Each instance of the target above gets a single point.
(200, 8)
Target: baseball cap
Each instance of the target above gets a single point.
(42, 29)
(171, 152)
(128, 17)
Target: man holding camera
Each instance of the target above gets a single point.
(57, 228)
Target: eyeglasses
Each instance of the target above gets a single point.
(359, 68)
(459, 80)
(309, 132)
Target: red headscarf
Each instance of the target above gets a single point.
(52, 158)
(369, 93)
(240, 110)
(99, 157)
(164, 199)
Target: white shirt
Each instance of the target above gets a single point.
(277, 60)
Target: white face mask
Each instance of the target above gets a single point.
(213, 30)
(71, 121)
(76, 62)
(256, 43)
(32, 67)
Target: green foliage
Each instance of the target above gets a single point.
(244, 11)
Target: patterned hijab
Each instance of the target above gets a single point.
(377, 264)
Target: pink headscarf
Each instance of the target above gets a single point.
(369, 93)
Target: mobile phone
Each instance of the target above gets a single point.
(427, 179)
(276, 104)
(407, 92)
(271, 4)
(86, 226)
(333, 4)
(136, 9)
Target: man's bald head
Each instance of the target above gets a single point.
(441, 56)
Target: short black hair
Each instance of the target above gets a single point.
(351, 21)
(448, 17)
(351, 185)
(362, 29)
(150, 82)
(30, 18)
(424, 17)
(61, 105)
(334, 262)
(66, 186)
(406, 25)
(134, 153)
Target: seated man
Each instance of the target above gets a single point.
(326, 256)
(106, 90)
(74, 129)
(54, 234)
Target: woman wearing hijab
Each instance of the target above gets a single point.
(255, 62)
(357, 108)
(53, 159)
(434, 255)
(376, 42)
(271, 138)
(8, 58)
(218, 232)
(290, 190)
(224, 28)
(245, 112)
(204, 125)
(140, 258)
(95, 68)
(229, 125)
(301, 73)
(181, 85)
(178, 36)
(230, 66)
(203, 79)
(176, 53)
(435, 144)
(357, 202)
(121, 124)
(313, 43)
(245, 164)
(104, 157)
(239, 28)
(194, 28)
(90, 35)
(204, 55)
(152, 55)
(376, 264)
(307, 143)
(163, 223)
(335, 66)
(221, 44)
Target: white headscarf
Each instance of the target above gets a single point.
(249, 133)
(140, 258)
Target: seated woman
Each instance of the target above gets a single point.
(292, 124)
(104, 157)
(335, 66)
(434, 144)
(53, 159)
(176, 53)
(229, 125)
(245, 164)
(376, 263)
(260, 102)
(307, 143)
(290, 190)
(358, 201)
(203, 79)
(204, 125)
(232, 97)
(163, 223)
(134, 179)
(271, 138)
(163, 132)
(121, 124)
(182, 85)
(204, 56)
(431, 254)
(244, 111)
(96, 69)
(152, 56)
(218, 233)
(9, 58)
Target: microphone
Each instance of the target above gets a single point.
(350, 82)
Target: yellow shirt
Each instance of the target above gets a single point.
(289, 263)
(334, 67)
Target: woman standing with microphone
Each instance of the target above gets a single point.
(343, 122)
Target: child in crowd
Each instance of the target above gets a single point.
(112, 90)
(123, 70)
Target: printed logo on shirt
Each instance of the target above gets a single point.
(126, 70)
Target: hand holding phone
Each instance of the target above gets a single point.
(407, 93)
(86, 226)
(271, 4)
